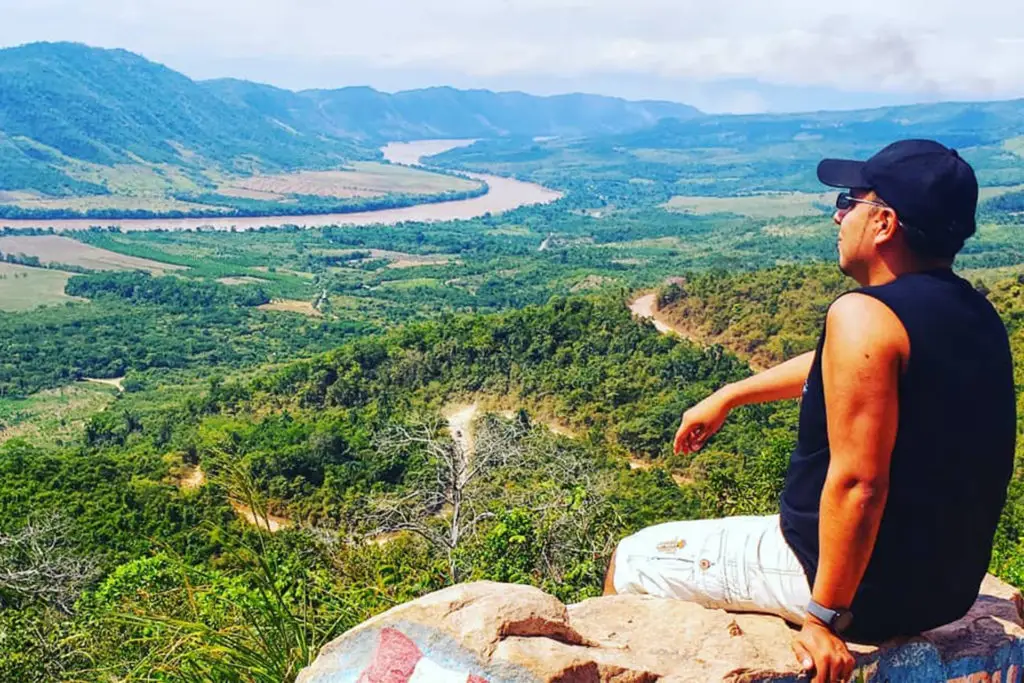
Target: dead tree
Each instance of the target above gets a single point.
(35, 564)
(444, 506)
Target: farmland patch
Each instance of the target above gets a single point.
(364, 179)
(23, 288)
(775, 205)
(292, 306)
(58, 249)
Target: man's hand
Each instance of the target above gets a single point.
(700, 422)
(822, 653)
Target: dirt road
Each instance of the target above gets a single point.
(647, 307)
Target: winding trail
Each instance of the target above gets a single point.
(646, 307)
(272, 523)
(460, 424)
(116, 382)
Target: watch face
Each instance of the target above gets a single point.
(843, 619)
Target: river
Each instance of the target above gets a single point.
(504, 195)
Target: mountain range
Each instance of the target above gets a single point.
(69, 113)
(66, 104)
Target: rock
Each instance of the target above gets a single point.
(498, 633)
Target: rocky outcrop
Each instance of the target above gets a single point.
(497, 633)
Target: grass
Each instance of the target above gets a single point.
(292, 306)
(59, 249)
(781, 205)
(23, 288)
(54, 416)
(1015, 145)
(995, 191)
(119, 202)
(153, 187)
(410, 283)
(364, 179)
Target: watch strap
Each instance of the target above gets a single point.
(835, 620)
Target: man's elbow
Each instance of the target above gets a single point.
(863, 491)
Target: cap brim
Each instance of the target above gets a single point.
(842, 173)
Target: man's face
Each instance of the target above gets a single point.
(856, 243)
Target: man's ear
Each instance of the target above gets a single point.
(885, 224)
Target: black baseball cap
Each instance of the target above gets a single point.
(933, 190)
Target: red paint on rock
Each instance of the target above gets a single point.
(395, 659)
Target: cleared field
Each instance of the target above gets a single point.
(57, 249)
(298, 273)
(398, 259)
(53, 416)
(240, 280)
(411, 283)
(117, 202)
(649, 243)
(151, 186)
(757, 206)
(23, 288)
(990, 192)
(292, 306)
(366, 179)
(1015, 145)
(991, 275)
(592, 282)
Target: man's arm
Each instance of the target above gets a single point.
(785, 380)
(865, 350)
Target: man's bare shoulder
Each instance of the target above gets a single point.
(862, 325)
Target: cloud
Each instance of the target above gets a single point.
(933, 50)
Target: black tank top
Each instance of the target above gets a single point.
(950, 468)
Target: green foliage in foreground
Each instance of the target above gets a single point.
(179, 601)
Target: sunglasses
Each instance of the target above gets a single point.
(846, 201)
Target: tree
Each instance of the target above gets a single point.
(444, 504)
(35, 564)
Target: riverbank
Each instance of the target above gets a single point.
(505, 194)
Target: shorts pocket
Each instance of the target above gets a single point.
(694, 568)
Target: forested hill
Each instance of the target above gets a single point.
(66, 102)
(766, 316)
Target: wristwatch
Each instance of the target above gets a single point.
(837, 620)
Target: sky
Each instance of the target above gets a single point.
(735, 56)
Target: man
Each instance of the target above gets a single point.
(905, 443)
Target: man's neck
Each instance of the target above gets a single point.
(886, 270)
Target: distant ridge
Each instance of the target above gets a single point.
(367, 114)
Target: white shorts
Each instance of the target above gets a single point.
(739, 564)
